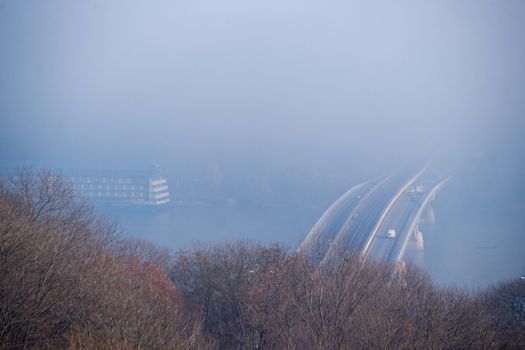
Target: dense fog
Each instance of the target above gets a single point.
(283, 104)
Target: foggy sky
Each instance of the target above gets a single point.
(266, 78)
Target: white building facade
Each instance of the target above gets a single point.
(110, 187)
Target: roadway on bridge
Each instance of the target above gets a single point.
(356, 231)
(323, 233)
(399, 219)
(358, 221)
(403, 218)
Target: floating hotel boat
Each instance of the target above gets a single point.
(127, 186)
(120, 187)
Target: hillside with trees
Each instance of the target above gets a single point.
(68, 280)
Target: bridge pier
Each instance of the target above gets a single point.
(418, 236)
(428, 217)
(416, 241)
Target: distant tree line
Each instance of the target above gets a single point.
(68, 281)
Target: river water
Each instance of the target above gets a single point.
(177, 227)
(472, 246)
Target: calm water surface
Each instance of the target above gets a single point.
(178, 227)
(468, 245)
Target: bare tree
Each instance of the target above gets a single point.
(66, 281)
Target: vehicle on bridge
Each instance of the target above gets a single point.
(391, 233)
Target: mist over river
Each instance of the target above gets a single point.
(176, 227)
(464, 246)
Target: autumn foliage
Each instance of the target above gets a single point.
(67, 281)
